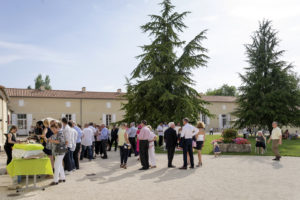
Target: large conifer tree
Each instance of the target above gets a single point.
(270, 89)
(160, 87)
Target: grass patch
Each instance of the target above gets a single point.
(288, 147)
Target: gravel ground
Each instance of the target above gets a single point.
(226, 177)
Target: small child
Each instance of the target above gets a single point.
(217, 151)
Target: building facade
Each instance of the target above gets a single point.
(30, 106)
(4, 115)
(221, 108)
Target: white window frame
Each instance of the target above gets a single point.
(22, 121)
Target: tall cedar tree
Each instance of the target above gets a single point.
(162, 90)
(270, 90)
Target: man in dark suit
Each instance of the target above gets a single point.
(114, 137)
(171, 142)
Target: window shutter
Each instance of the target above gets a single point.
(220, 122)
(29, 122)
(228, 120)
(14, 119)
(103, 118)
(113, 118)
(74, 117)
(201, 117)
(208, 121)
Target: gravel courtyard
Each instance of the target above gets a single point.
(227, 177)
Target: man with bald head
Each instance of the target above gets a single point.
(171, 142)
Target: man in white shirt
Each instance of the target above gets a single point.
(160, 131)
(188, 131)
(91, 126)
(276, 138)
(87, 142)
(73, 143)
(67, 131)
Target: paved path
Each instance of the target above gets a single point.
(227, 177)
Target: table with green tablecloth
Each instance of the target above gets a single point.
(39, 166)
(27, 167)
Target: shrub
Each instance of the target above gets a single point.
(229, 135)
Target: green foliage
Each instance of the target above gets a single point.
(229, 135)
(270, 89)
(39, 82)
(160, 87)
(224, 90)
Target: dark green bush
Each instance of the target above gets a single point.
(229, 135)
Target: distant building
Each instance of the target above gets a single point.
(221, 107)
(30, 106)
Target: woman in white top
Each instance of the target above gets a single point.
(200, 137)
(151, 150)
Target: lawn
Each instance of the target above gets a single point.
(288, 147)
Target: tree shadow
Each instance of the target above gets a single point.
(121, 177)
(175, 174)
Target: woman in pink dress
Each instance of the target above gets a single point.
(138, 141)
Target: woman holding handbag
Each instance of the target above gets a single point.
(200, 138)
(124, 145)
(58, 149)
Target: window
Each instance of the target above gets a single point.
(22, 121)
(68, 104)
(21, 102)
(224, 121)
(108, 120)
(204, 119)
(69, 117)
(108, 105)
(224, 107)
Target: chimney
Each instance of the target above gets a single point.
(119, 90)
(42, 88)
(83, 89)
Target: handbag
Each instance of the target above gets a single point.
(194, 144)
(60, 148)
(181, 142)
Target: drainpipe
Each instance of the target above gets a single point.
(81, 112)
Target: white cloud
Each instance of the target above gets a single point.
(259, 9)
(18, 51)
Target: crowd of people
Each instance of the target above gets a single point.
(66, 143)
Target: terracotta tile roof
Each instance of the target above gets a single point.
(226, 99)
(16, 92)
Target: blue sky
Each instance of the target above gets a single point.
(93, 43)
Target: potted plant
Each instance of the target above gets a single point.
(231, 142)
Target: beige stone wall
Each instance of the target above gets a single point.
(3, 118)
(218, 109)
(93, 110)
(84, 111)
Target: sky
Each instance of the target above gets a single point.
(93, 43)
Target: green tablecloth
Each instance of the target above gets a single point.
(29, 167)
(28, 147)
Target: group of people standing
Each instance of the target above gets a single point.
(170, 136)
(64, 141)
